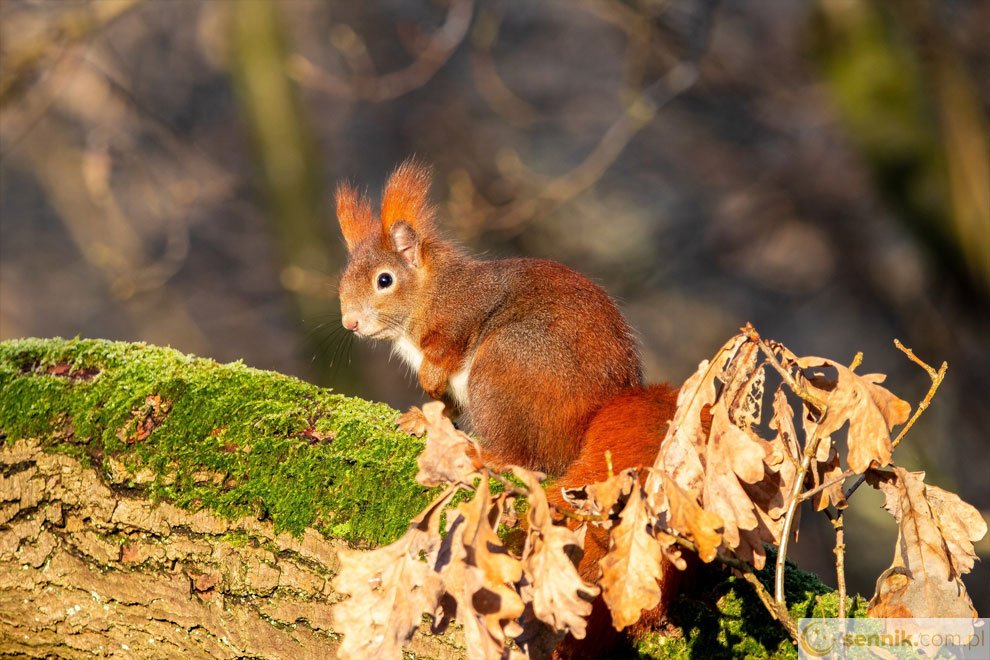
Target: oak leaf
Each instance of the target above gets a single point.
(871, 410)
(632, 564)
(823, 472)
(480, 575)
(450, 455)
(604, 498)
(924, 577)
(389, 589)
(731, 457)
(687, 518)
(786, 454)
(559, 597)
(683, 445)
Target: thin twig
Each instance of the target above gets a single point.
(937, 378)
(793, 501)
(840, 559)
(808, 494)
(796, 387)
(777, 609)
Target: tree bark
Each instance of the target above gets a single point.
(86, 571)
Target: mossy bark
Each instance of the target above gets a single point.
(154, 504)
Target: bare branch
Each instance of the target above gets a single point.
(73, 26)
(386, 87)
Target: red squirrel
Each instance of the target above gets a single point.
(536, 357)
(527, 349)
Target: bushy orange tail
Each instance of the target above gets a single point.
(631, 426)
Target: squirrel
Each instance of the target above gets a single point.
(526, 349)
(536, 357)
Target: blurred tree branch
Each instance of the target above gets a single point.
(288, 165)
(365, 84)
(641, 103)
(77, 183)
(72, 26)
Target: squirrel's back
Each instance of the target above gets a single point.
(553, 350)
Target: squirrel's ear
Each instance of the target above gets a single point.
(407, 199)
(357, 221)
(406, 243)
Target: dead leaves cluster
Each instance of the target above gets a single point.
(468, 574)
(725, 484)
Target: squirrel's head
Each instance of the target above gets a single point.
(387, 268)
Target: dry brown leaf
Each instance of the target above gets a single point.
(769, 498)
(413, 422)
(687, 518)
(730, 456)
(683, 445)
(632, 564)
(744, 384)
(871, 410)
(450, 455)
(787, 439)
(480, 575)
(924, 578)
(735, 464)
(389, 589)
(825, 471)
(740, 451)
(604, 498)
(752, 542)
(961, 526)
(559, 597)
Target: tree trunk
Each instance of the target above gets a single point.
(154, 504)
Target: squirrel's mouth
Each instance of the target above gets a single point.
(379, 333)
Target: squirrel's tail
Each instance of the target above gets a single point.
(631, 427)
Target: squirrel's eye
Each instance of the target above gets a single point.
(384, 281)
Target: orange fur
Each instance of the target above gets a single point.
(357, 220)
(631, 427)
(407, 199)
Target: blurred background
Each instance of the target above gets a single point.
(817, 168)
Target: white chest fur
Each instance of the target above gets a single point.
(413, 356)
(459, 385)
(409, 352)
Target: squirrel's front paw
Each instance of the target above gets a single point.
(413, 422)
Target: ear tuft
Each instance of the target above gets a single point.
(407, 199)
(357, 221)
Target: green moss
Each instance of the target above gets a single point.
(723, 618)
(268, 444)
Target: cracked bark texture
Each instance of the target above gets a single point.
(88, 570)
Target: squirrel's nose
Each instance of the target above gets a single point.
(350, 321)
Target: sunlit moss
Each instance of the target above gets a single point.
(723, 618)
(268, 444)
